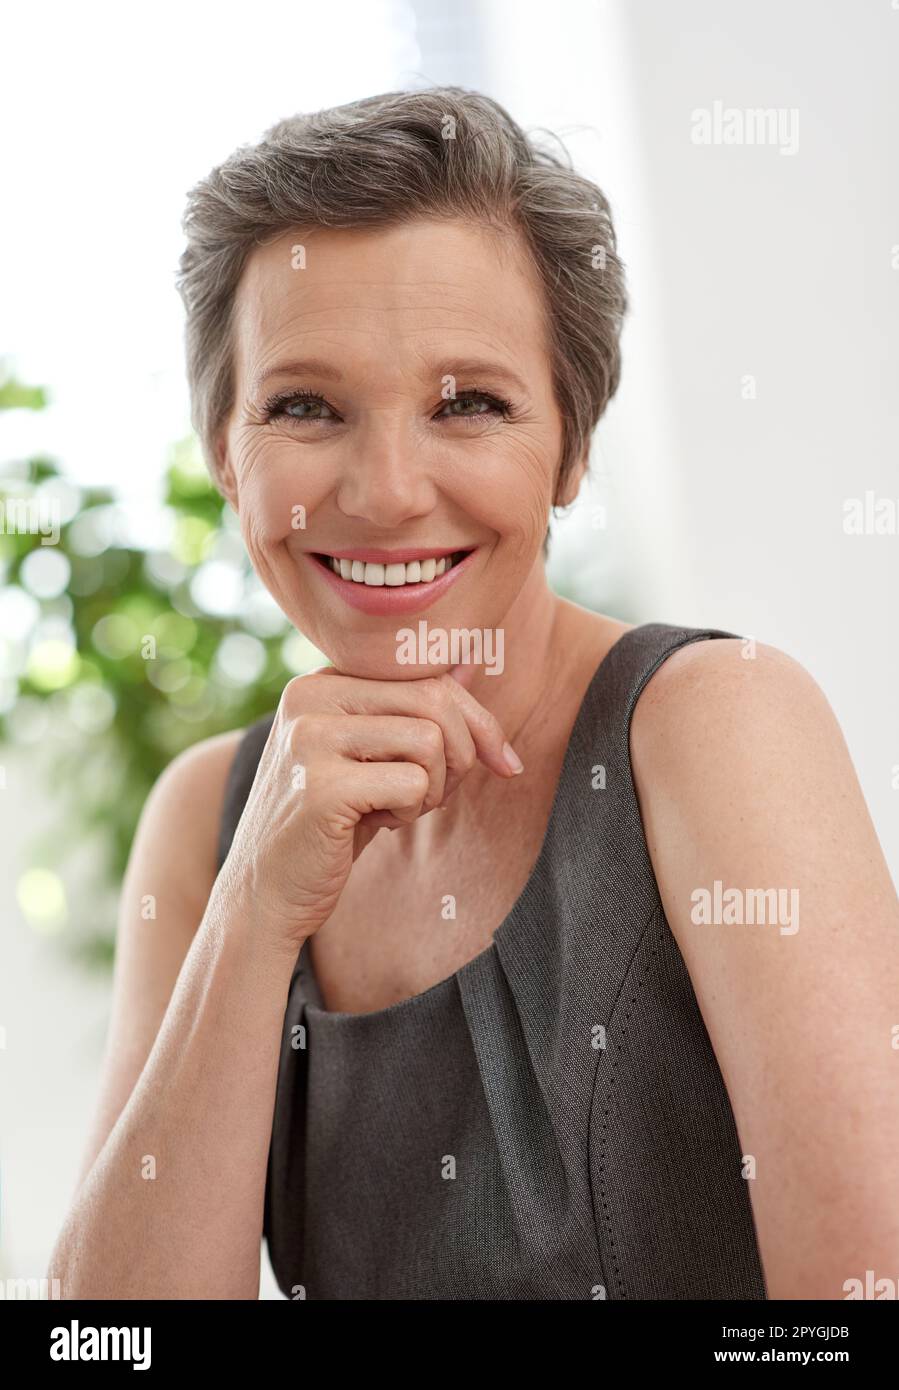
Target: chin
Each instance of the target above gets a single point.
(410, 649)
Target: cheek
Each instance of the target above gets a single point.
(511, 490)
(278, 499)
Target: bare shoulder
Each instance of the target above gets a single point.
(703, 673)
(727, 697)
(202, 768)
(737, 757)
(183, 811)
(742, 774)
(173, 862)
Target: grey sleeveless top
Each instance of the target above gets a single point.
(549, 1122)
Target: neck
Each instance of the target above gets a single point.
(552, 647)
(532, 649)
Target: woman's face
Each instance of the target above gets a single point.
(393, 407)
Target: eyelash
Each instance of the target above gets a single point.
(276, 406)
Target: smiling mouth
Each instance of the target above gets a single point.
(413, 574)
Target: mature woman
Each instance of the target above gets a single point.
(520, 953)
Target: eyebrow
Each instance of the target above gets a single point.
(456, 367)
(480, 367)
(310, 366)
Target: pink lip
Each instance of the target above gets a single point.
(384, 599)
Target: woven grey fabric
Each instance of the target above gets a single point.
(485, 1139)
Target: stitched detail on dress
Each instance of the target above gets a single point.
(609, 1241)
(602, 1057)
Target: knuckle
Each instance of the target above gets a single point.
(418, 782)
(291, 706)
(303, 723)
(467, 758)
(431, 737)
(292, 694)
(306, 731)
(299, 689)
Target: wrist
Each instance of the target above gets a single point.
(239, 915)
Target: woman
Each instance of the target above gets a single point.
(615, 1023)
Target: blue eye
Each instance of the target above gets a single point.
(298, 405)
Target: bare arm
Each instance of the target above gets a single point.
(170, 1200)
(744, 778)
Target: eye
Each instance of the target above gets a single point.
(302, 406)
(474, 405)
(299, 406)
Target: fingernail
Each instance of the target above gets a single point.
(513, 762)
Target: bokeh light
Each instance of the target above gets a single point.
(217, 588)
(45, 572)
(52, 663)
(95, 530)
(91, 708)
(19, 612)
(42, 900)
(240, 659)
(115, 636)
(299, 655)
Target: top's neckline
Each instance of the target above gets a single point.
(393, 1011)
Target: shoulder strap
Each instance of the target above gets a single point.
(599, 793)
(240, 780)
(633, 659)
(593, 888)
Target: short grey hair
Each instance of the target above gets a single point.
(445, 152)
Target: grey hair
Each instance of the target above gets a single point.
(445, 152)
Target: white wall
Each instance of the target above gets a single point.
(726, 511)
(781, 266)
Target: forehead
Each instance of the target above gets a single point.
(389, 298)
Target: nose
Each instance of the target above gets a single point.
(385, 480)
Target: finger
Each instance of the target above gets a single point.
(394, 738)
(493, 749)
(369, 826)
(400, 788)
(381, 820)
(424, 699)
(434, 698)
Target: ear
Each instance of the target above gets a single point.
(570, 488)
(224, 469)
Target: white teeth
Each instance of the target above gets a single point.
(393, 575)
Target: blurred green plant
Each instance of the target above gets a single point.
(116, 654)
